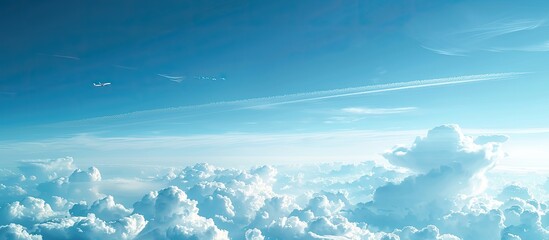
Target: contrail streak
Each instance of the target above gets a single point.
(346, 92)
(176, 79)
(263, 102)
(170, 77)
(65, 56)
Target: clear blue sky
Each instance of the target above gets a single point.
(52, 53)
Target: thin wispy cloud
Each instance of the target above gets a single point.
(355, 114)
(376, 111)
(539, 47)
(177, 79)
(65, 57)
(499, 27)
(347, 92)
(447, 52)
(485, 37)
(266, 102)
(345, 140)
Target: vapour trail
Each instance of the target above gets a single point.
(265, 102)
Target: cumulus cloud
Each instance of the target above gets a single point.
(530, 228)
(447, 146)
(80, 185)
(173, 216)
(514, 191)
(27, 212)
(47, 169)
(428, 233)
(11, 193)
(106, 209)
(448, 164)
(92, 175)
(440, 197)
(485, 225)
(254, 234)
(91, 227)
(16, 232)
(230, 197)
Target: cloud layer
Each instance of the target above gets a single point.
(436, 188)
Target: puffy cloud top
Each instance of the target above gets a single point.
(173, 216)
(47, 169)
(449, 164)
(92, 175)
(515, 191)
(30, 210)
(438, 200)
(91, 227)
(446, 146)
(16, 232)
(106, 209)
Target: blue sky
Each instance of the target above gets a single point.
(272, 120)
(52, 53)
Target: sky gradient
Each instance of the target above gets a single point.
(183, 69)
(269, 120)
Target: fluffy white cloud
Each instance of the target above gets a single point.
(273, 209)
(515, 191)
(27, 212)
(321, 218)
(106, 209)
(530, 228)
(485, 226)
(449, 164)
(92, 175)
(80, 185)
(428, 233)
(287, 228)
(91, 227)
(447, 146)
(230, 197)
(254, 234)
(47, 169)
(438, 199)
(16, 232)
(173, 216)
(11, 193)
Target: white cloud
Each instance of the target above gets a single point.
(530, 228)
(80, 185)
(91, 227)
(11, 193)
(26, 212)
(515, 191)
(16, 232)
(92, 175)
(470, 33)
(287, 228)
(438, 199)
(254, 234)
(47, 169)
(485, 226)
(273, 209)
(449, 164)
(266, 102)
(173, 216)
(445, 146)
(376, 111)
(106, 209)
(428, 233)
